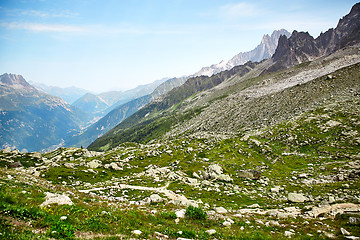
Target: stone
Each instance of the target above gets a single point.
(288, 234)
(331, 199)
(332, 123)
(211, 231)
(180, 213)
(62, 218)
(220, 210)
(155, 198)
(250, 174)
(137, 232)
(215, 168)
(254, 206)
(297, 197)
(354, 220)
(53, 198)
(345, 232)
(15, 164)
(227, 223)
(224, 177)
(115, 166)
(36, 155)
(94, 164)
(275, 189)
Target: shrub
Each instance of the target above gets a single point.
(195, 213)
(62, 230)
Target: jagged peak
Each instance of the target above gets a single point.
(14, 80)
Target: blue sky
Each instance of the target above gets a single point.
(102, 45)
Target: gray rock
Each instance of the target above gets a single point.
(297, 197)
(250, 174)
(180, 213)
(211, 231)
(137, 232)
(220, 210)
(224, 177)
(155, 198)
(52, 198)
(345, 232)
(94, 163)
(15, 164)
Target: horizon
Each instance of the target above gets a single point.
(127, 44)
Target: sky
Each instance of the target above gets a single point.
(104, 45)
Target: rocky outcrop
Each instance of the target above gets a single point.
(301, 47)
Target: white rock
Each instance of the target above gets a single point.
(288, 234)
(220, 210)
(115, 166)
(63, 218)
(344, 232)
(52, 198)
(224, 177)
(137, 232)
(211, 231)
(297, 197)
(180, 213)
(155, 198)
(94, 163)
(227, 224)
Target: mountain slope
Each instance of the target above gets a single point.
(229, 102)
(31, 120)
(120, 113)
(264, 50)
(149, 120)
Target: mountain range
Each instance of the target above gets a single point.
(264, 50)
(69, 94)
(120, 113)
(98, 105)
(251, 95)
(31, 120)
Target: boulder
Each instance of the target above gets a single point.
(94, 164)
(211, 231)
(180, 213)
(297, 198)
(250, 174)
(15, 164)
(53, 198)
(155, 198)
(220, 210)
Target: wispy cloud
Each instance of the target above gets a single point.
(38, 27)
(93, 29)
(239, 10)
(15, 12)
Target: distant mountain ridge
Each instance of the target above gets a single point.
(32, 120)
(69, 94)
(98, 105)
(264, 50)
(120, 113)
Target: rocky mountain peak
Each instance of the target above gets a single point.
(264, 50)
(14, 81)
(302, 47)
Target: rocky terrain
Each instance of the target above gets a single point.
(248, 153)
